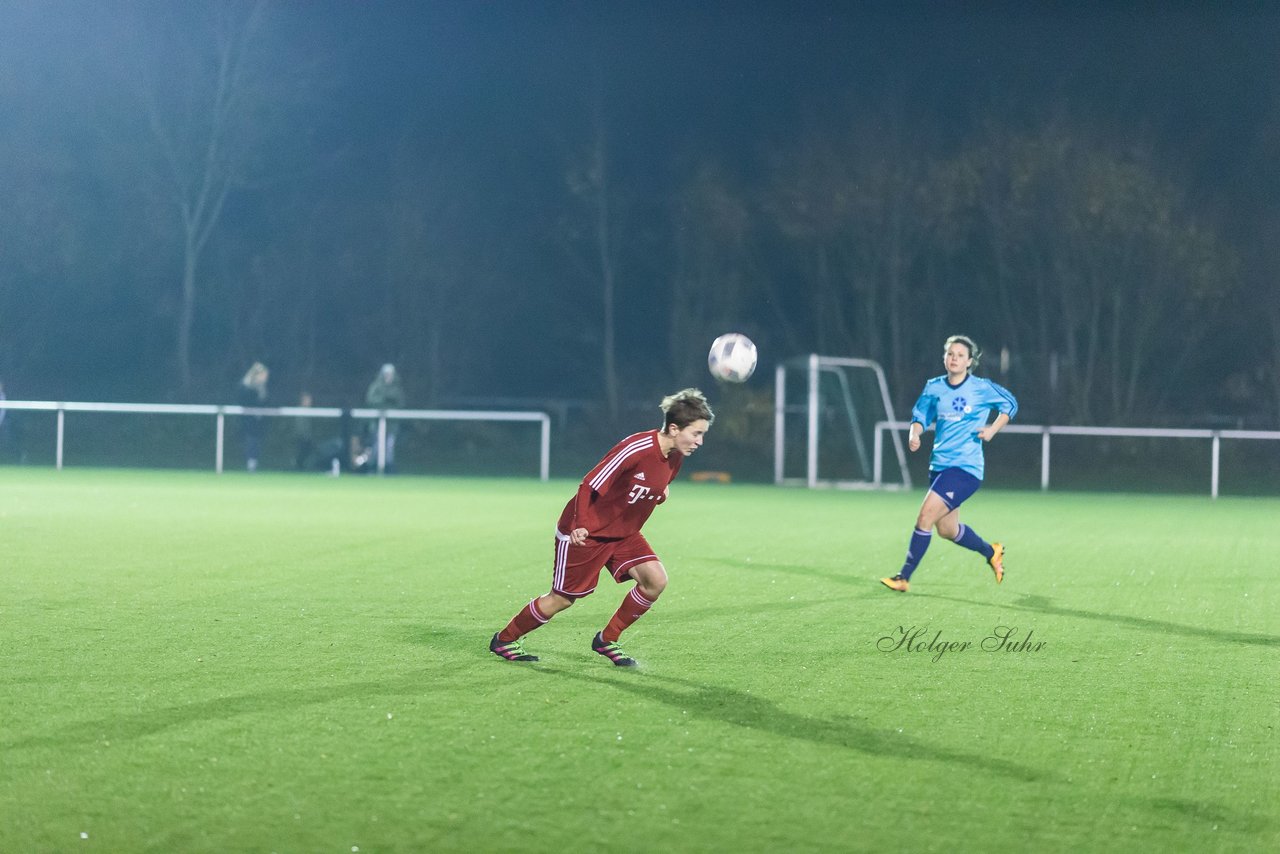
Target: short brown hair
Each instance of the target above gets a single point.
(685, 407)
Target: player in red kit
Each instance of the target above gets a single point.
(600, 529)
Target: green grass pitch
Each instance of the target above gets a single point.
(299, 664)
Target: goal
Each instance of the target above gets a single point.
(829, 417)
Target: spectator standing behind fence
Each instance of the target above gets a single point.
(11, 432)
(253, 392)
(304, 445)
(385, 392)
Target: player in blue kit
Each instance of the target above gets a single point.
(958, 405)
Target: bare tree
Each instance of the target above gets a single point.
(806, 203)
(63, 242)
(715, 276)
(1262, 287)
(429, 263)
(857, 212)
(593, 235)
(1103, 255)
(212, 101)
(40, 238)
(1262, 267)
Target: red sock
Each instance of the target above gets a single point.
(632, 608)
(522, 623)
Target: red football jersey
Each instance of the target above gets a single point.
(617, 496)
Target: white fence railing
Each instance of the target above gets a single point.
(1215, 438)
(220, 413)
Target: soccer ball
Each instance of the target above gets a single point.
(732, 357)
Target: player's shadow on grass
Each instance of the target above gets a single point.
(1044, 605)
(848, 578)
(749, 711)
(1202, 813)
(124, 727)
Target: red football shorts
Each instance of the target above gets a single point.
(577, 568)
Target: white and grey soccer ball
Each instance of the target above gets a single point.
(732, 357)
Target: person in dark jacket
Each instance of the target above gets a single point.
(253, 393)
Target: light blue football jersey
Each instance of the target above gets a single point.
(957, 413)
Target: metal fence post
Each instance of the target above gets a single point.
(1217, 453)
(1044, 460)
(220, 432)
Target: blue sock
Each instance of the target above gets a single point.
(970, 540)
(919, 545)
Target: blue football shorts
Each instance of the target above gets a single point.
(954, 486)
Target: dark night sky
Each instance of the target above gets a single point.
(739, 74)
(742, 67)
(505, 86)
(735, 76)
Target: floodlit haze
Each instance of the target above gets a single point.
(464, 188)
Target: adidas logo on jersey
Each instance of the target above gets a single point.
(640, 475)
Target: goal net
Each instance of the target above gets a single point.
(831, 417)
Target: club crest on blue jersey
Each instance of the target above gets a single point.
(958, 415)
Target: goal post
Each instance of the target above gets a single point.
(828, 412)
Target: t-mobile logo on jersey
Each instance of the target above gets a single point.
(638, 492)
